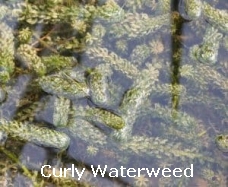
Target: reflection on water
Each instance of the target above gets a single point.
(123, 88)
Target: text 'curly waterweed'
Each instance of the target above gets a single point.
(115, 172)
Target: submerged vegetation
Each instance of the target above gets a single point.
(112, 83)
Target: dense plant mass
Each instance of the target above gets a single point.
(133, 83)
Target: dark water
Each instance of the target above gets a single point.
(180, 109)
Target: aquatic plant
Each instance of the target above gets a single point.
(35, 134)
(190, 10)
(98, 96)
(6, 53)
(222, 142)
(67, 87)
(141, 181)
(207, 52)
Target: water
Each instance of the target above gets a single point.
(174, 105)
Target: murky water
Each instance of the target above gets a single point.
(113, 93)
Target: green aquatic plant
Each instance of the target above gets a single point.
(57, 62)
(195, 9)
(85, 90)
(28, 58)
(98, 84)
(163, 6)
(6, 52)
(216, 17)
(134, 98)
(98, 115)
(121, 46)
(9, 170)
(138, 25)
(92, 151)
(141, 181)
(222, 142)
(192, 74)
(55, 12)
(2, 95)
(63, 86)
(113, 60)
(61, 111)
(24, 35)
(140, 54)
(85, 131)
(207, 52)
(35, 134)
(190, 10)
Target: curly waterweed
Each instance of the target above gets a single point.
(218, 18)
(98, 84)
(7, 64)
(57, 62)
(2, 95)
(38, 135)
(222, 142)
(61, 111)
(88, 93)
(207, 52)
(113, 60)
(140, 54)
(143, 145)
(190, 9)
(66, 87)
(24, 35)
(28, 58)
(85, 131)
(139, 25)
(98, 115)
(134, 99)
